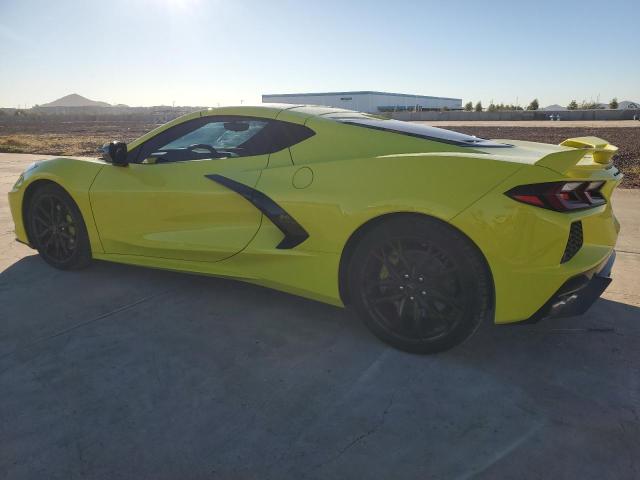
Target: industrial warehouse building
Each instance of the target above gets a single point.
(370, 102)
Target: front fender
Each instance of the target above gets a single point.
(74, 175)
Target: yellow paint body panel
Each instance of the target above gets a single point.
(171, 216)
(172, 210)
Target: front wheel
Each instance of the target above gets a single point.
(419, 284)
(57, 230)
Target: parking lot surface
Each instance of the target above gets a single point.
(124, 372)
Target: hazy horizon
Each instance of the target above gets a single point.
(209, 53)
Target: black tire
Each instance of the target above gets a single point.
(419, 284)
(57, 229)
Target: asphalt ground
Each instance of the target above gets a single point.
(123, 372)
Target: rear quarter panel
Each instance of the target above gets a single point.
(360, 173)
(346, 194)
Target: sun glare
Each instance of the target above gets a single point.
(180, 4)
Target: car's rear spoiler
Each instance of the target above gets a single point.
(563, 161)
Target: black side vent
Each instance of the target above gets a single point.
(574, 243)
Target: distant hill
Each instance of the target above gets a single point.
(554, 107)
(75, 100)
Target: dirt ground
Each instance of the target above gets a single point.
(83, 138)
(67, 138)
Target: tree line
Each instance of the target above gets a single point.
(584, 105)
(534, 105)
(500, 107)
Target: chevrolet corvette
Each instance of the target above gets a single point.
(425, 233)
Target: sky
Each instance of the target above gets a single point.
(227, 52)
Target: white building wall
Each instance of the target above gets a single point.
(364, 102)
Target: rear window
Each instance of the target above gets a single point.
(418, 130)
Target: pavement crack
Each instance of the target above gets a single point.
(582, 330)
(360, 437)
(627, 251)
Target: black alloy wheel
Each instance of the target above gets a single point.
(56, 228)
(419, 285)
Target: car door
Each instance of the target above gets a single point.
(163, 204)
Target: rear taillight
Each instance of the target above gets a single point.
(560, 196)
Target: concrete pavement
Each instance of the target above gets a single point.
(124, 372)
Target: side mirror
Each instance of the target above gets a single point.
(116, 153)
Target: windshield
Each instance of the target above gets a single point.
(418, 130)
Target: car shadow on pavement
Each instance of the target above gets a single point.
(39, 301)
(44, 301)
(119, 371)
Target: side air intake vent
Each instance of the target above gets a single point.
(574, 243)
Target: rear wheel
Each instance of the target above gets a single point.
(418, 284)
(57, 230)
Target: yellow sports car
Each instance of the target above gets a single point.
(424, 232)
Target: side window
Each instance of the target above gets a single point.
(279, 135)
(221, 137)
(228, 136)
